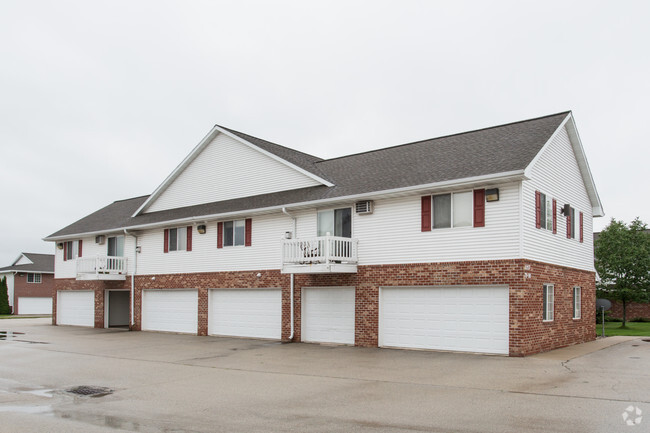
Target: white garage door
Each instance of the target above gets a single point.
(75, 308)
(255, 313)
(328, 315)
(459, 318)
(34, 305)
(170, 311)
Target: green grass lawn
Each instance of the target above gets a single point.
(8, 316)
(631, 328)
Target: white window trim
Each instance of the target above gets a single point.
(352, 213)
(544, 216)
(169, 240)
(471, 224)
(233, 233)
(577, 302)
(40, 278)
(550, 306)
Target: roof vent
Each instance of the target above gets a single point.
(364, 207)
(100, 239)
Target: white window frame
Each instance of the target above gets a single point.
(572, 213)
(546, 212)
(451, 213)
(181, 234)
(74, 250)
(108, 243)
(35, 277)
(548, 300)
(333, 211)
(235, 239)
(577, 302)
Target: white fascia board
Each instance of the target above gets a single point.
(581, 158)
(276, 158)
(510, 176)
(177, 171)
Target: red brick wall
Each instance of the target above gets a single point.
(633, 310)
(37, 290)
(528, 333)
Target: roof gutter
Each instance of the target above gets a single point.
(510, 176)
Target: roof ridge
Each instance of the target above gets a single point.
(319, 159)
(444, 136)
(132, 198)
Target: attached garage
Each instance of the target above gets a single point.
(30, 305)
(75, 307)
(328, 315)
(170, 311)
(255, 313)
(458, 318)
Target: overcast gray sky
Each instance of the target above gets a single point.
(100, 100)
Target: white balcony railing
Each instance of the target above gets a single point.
(331, 251)
(101, 268)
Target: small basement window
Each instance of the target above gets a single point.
(34, 278)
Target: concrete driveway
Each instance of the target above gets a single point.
(180, 383)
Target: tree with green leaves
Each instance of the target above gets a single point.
(623, 262)
(4, 297)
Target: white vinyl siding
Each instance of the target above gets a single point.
(170, 311)
(67, 269)
(23, 261)
(548, 300)
(459, 318)
(255, 313)
(556, 174)
(28, 305)
(75, 308)
(228, 169)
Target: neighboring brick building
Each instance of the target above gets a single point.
(30, 281)
(478, 242)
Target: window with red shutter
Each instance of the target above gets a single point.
(426, 213)
(479, 208)
(249, 232)
(581, 232)
(554, 216)
(220, 235)
(189, 238)
(166, 241)
(538, 210)
(80, 244)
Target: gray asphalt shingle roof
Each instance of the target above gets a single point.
(494, 150)
(43, 263)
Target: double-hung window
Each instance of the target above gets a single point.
(577, 302)
(71, 250)
(177, 239)
(115, 246)
(571, 230)
(546, 211)
(549, 300)
(335, 222)
(452, 210)
(33, 278)
(234, 233)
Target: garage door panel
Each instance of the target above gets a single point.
(29, 305)
(75, 308)
(170, 311)
(459, 318)
(251, 313)
(328, 315)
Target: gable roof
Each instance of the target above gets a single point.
(497, 153)
(41, 263)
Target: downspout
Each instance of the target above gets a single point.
(284, 211)
(135, 267)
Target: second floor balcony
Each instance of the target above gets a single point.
(320, 255)
(101, 268)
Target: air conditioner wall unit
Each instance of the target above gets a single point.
(100, 239)
(364, 207)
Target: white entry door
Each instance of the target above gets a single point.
(255, 313)
(34, 305)
(75, 307)
(458, 318)
(328, 315)
(170, 311)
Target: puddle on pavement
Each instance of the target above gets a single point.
(43, 410)
(9, 335)
(39, 392)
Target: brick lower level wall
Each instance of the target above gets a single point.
(529, 334)
(31, 290)
(632, 310)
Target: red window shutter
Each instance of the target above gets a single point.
(426, 213)
(219, 235)
(538, 210)
(80, 243)
(554, 216)
(65, 251)
(249, 232)
(568, 226)
(166, 245)
(581, 234)
(189, 238)
(479, 208)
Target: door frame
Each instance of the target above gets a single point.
(107, 302)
